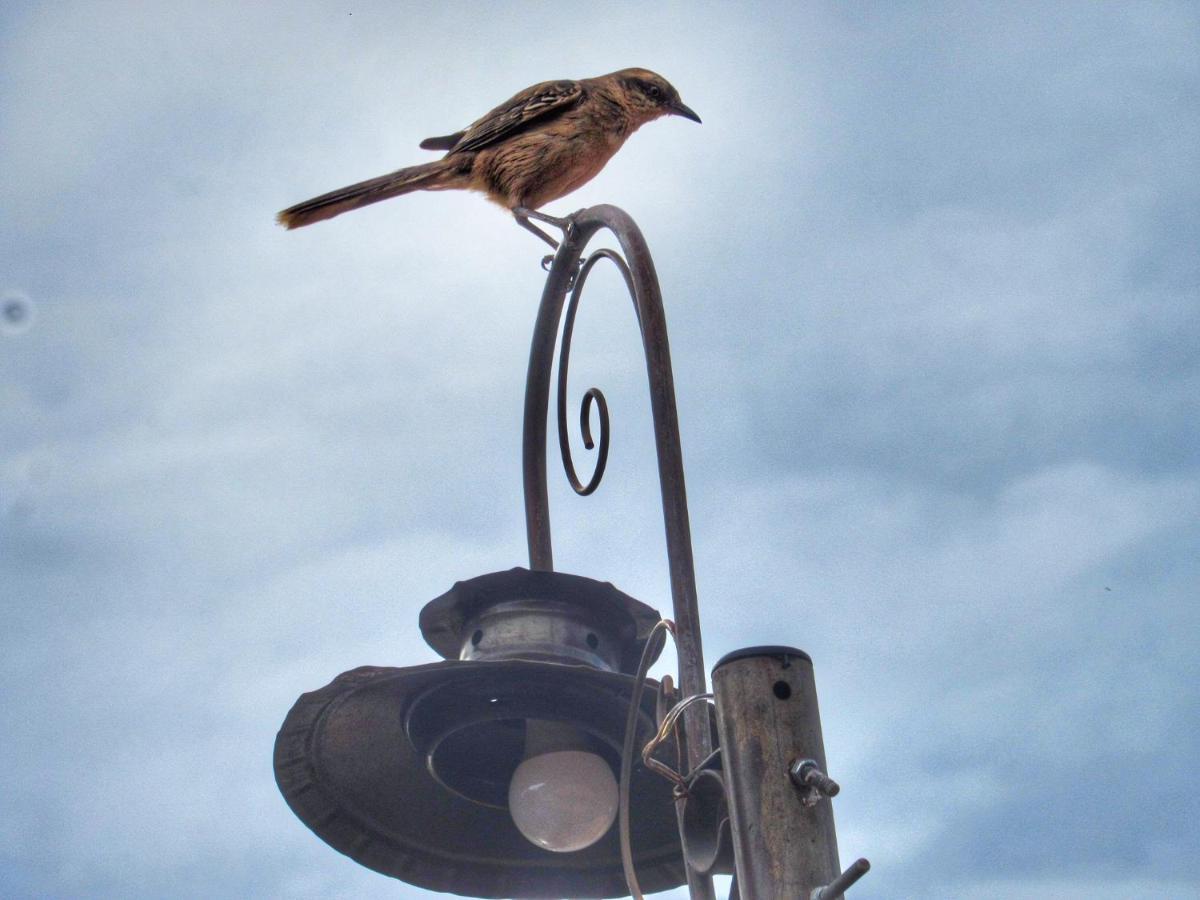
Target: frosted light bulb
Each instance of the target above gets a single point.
(564, 800)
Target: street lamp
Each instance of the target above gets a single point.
(508, 769)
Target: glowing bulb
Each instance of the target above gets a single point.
(563, 800)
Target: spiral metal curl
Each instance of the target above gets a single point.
(593, 395)
(637, 267)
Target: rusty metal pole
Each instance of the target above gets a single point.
(773, 757)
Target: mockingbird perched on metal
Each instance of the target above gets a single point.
(540, 145)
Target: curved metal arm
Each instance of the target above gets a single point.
(640, 278)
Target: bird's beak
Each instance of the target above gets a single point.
(679, 108)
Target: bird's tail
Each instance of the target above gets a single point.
(432, 176)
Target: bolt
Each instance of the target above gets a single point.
(808, 776)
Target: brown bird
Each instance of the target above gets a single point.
(538, 146)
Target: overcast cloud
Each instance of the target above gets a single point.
(931, 275)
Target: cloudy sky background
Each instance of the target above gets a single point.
(931, 278)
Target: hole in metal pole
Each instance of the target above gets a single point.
(782, 690)
(593, 641)
(476, 638)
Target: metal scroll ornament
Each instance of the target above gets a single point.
(592, 395)
(568, 274)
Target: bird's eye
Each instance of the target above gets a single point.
(650, 90)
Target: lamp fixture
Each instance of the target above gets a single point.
(426, 773)
(494, 773)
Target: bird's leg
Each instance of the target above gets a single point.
(529, 226)
(563, 223)
(523, 214)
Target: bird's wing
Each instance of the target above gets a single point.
(531, 105)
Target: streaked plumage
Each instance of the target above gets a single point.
(539, 145)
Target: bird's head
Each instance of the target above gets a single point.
(648, 95)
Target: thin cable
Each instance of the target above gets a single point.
(654, 642)
(704, 764)
(664, 733)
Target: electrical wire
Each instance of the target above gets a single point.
(664, 733)
(654, 644)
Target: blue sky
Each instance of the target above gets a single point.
(931, 277)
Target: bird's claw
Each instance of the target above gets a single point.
(565, 224)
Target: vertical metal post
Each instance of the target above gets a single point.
(774, 759)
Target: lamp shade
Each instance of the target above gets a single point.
(405, 770)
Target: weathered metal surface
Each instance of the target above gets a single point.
(836, 889)
(707, 841)
(547, 616)
(767, 718)
(638, 270)
(403, 769)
